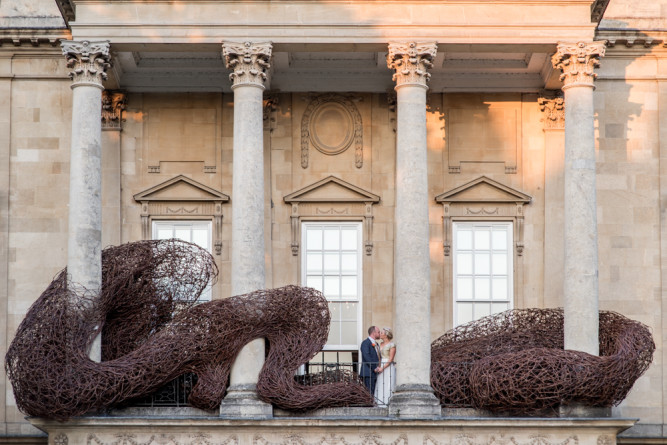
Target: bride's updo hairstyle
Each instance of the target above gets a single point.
(388, 333)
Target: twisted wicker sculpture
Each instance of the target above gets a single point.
(514, 363)
(153, 332)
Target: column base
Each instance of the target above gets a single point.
(414, 402)
(241, 402)
(583, 411)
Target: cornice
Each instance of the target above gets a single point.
(597, 10)
(67, 9)
(34, 38)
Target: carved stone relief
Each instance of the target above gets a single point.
(483, 199)
(332, 439)
(332, 199)
(577, 62)
(60, 439)
(554, 112)
(331, 124)
(470, 439)
(483, 135)
(87, 60)
(182, 198)
(113, 105)
(159, 439)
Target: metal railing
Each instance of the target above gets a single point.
(176, 392)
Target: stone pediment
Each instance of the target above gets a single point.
(331, 189)
(180, 188)
(483, 189)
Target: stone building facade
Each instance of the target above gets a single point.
(405, 126)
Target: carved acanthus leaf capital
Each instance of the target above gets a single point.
(411, 62)
(577, 62)
(87, 60)
(554, 113)
(248, 61)
(113, 104)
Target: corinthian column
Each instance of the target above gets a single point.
(413, 397)
(88, 62)
(249, 63)
(580, 287)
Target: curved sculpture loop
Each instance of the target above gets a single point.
(514, 363)
(153, 332)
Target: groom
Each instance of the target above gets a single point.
(370, 358)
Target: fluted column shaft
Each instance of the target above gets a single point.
(580, 286)
(413, 396)
(249, 63)
(88, 61)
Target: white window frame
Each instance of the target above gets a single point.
(192, 223)
(359, 273)
(508, 228)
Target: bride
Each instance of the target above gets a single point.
(386, 380)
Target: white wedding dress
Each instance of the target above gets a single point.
(386, 379)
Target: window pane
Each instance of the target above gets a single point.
(464, 239)
(314, 263)
(331, 236)
(200, 237)
(349, 262)
(334, 333)
(349, 286)
(332, 287)
(464, 263)
(482, 310)
(482, 264)
(315, 282)
(349, 332)
(500, 288)
(482, 288)
(334, 308)
(500, 239)
(464, 288)
(313, 239)
(164, 232)
(463, 313)
(497, 308)
(182, 233)
(331, 263)
(349, 311)
(349, 239)
(482, 239)
(500, 264)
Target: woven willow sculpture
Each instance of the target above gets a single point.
(514, 363)
(154, 332)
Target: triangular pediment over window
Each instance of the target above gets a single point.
(483, 189)
(332, 189)
(181, 188)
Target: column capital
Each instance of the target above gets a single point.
(248, 61)
(113, 104)
(87, 60)
(554, 112)
(577, 62)
(411, 62)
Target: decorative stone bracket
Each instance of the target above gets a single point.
(483, 199)
(182, 198)
(332, 199)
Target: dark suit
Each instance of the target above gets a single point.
(369, 361)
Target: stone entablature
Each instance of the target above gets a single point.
(483, 199)
(182, 198)
(352, 430)
(332, 199)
